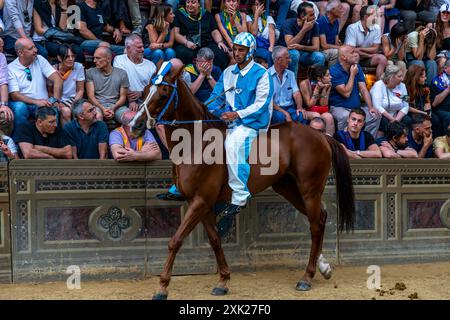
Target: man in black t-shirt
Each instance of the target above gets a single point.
(91, 26)
(357, 142)
(43, 139)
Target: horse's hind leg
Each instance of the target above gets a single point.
(214, 239)
(195, 213)
(317, 218)
(288, 187)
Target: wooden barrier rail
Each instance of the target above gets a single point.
(103, 217)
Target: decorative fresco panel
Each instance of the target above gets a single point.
(67, 223)
(424, 214)
(159, 222)
(365, 215)
(278, 218)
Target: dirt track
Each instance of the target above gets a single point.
(429, 281)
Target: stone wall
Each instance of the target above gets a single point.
(104, 218)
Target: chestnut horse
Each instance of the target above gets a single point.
(305, 157)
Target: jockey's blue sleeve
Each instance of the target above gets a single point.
(216, 107)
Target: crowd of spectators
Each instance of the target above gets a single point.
(73, 72)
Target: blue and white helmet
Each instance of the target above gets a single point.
(246, 39)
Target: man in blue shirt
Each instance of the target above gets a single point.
(301, 36)
(248, 109)
(88, 137)
(287, 100)
(329, 31)
(347, 83)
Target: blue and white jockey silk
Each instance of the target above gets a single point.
(250, 94)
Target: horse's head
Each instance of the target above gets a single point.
(161, 96)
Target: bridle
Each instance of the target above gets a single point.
(157, 81)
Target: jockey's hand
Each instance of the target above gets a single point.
(133, 106)
(126, 155)
(229, 116)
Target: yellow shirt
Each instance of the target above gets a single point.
(441, 142)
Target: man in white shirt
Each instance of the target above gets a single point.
(365, 35)
(138, 69)
(27, 82)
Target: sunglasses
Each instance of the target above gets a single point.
(90, 110)
(26, 16)
(28, 72)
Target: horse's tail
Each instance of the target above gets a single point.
(344, 185)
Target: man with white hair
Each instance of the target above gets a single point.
(247, 109)
(329, 28)
(138, 69)
(287, 100)
(365, 36)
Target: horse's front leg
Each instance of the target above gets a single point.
(195, 213)
(214, 239)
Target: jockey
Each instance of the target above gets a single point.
(243, 98)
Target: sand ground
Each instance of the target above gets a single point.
(422, 281)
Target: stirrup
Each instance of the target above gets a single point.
(168, 196)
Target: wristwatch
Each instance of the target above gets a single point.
(358, 152)
(3, 103)
(53, 100)
(210, 77)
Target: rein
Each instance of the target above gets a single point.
(158, 80)
(174, 122)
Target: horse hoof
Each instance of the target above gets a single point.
(303, 286)
(217, 291)
(159, 296)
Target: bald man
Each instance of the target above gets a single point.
(107, 88)
(27, 82)
(347, 84)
